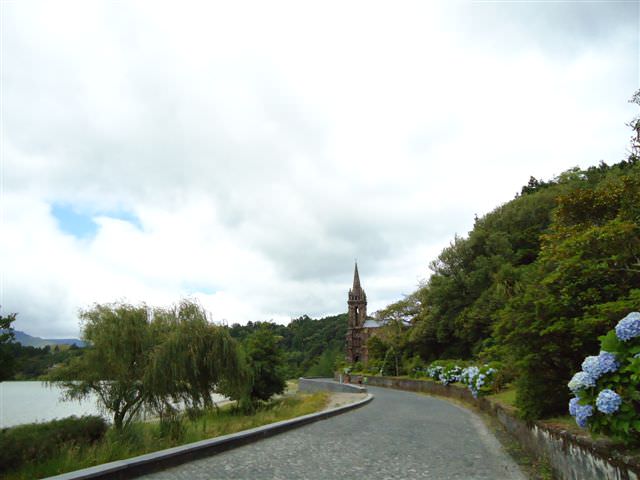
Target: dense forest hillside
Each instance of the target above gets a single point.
(311, 346)
(535, 282)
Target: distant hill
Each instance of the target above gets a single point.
(29, 341)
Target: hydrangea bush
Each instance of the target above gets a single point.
(479, 379)
(443, 371)
(607, 389)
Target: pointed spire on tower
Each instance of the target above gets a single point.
(356, 279)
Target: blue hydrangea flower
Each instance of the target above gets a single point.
(583, 412)
(591, 366)
(608, 401)
(580, 381)
(573, 405)
(608, 362)
(628, 327)
(469, 374)
(596, 366)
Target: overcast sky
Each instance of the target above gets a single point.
(246, 153)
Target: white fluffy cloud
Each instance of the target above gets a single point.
(263, 146)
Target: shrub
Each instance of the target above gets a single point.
(414, 366)
(39, 441)
(443, 371)
(607, 389)
(266, 360)
(480, 380)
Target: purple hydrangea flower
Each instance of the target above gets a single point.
(583, 412)
(628, 327)
(608, 401)
(580, 381)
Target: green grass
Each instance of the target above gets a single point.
(146, 437)
(506, 398)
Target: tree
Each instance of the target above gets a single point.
(192, 360)
(6, 336)
(115, 362)
(396, 318)
(585, 278)
(139, 357)
(266, 361)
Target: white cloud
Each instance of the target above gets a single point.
(264, 146)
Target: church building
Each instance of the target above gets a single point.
(359, 328)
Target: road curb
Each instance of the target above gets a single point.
(162, 459)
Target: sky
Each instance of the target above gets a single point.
(244, 154)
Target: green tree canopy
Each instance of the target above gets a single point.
(266, 361)
(140, 357)
(6, 336)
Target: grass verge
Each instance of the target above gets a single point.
(143, 438)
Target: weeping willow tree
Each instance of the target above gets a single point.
(115, 362)
(192, 360)
(156, 359)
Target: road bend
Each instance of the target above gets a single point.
(399, 435)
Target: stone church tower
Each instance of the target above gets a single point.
(356, 332)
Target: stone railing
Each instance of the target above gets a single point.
(570, 456)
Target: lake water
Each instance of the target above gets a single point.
(27, 402)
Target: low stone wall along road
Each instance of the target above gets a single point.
(401, 435)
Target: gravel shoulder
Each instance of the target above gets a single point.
(341, 399)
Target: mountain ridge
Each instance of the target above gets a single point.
(27, 340)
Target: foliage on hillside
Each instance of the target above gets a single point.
(6, 336)
(535, 282)
(310, 346)
(33, 362)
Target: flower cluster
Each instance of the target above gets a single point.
(580, 381)
(608, 401)
(582, 414)
(629, 327)
(605, 390)
(450, 375)
(434, 372)
(596, 366)
(573, 406)
(444, 374)
(593, 368)
(478, 379)
(469, 374)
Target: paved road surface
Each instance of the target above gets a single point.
(399, 435)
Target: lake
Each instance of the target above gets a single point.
(28, 402)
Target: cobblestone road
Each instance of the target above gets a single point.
(400, 435)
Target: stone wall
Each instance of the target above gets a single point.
(571, 457)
